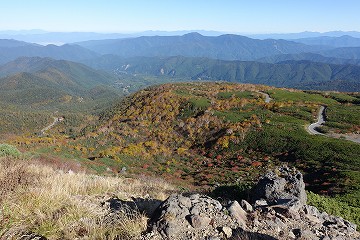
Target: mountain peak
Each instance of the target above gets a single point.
(193, 35)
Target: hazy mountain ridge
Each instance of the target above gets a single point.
(41, 36)
(232, 47)
(306, 34)
(226, 47)
(10, 43)
(342, 41)
(65, 52)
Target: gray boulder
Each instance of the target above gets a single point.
(246, 206)
(238, 213)
(194, 216)
(282, 187)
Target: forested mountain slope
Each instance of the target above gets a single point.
(296, 74)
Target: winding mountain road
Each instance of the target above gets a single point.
(312, 129)
(267, 97)
(320, 120)
(56, 121)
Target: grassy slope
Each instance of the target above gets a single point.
(37, 198)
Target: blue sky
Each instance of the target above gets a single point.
(250, 16)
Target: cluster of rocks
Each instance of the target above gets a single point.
(278, 211)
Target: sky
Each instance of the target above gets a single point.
(236, 16)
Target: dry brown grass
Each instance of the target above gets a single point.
(14, 175)
(62, 205)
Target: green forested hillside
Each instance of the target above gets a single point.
(58, 75)
(345, 52)
(58, 71)
(46, 88)
(298, 74)
(313, 57)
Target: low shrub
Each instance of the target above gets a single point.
(232, 192)
(13, 175)
(7, 150)
(334, 207)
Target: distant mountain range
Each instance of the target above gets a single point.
(342, 41)
(12, 49)
(46, 37)
(9, 43)
(225, 47)
(300, 63)
(305, 34)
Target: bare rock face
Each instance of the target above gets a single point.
(281, 211)
(238, 213)
(282, 187)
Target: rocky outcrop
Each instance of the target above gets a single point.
(193, 216)
(282, 187)
(278, 211)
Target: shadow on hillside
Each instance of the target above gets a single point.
(146, 206)
(241, 234)
(232, 192)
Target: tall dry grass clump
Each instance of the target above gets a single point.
(68, 205)
(13, 175)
